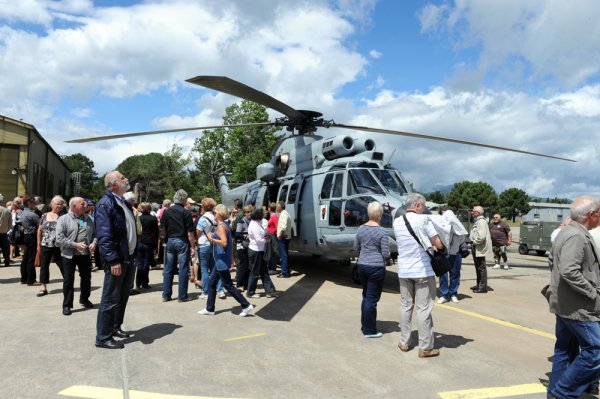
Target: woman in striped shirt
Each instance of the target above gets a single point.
(372, 245)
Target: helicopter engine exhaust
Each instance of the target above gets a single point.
(337, 147)
(362, 145)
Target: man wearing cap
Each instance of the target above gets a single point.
(501, 238)
(30, 221)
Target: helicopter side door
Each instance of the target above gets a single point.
(330, 207)
(293, 203)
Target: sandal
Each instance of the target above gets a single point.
(42, 293)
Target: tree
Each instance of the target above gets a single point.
(466, 194)
(513, 202)
(80, 163)
(158, 175)
(437, 196)
(237, 150)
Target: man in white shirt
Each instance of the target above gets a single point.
(417, 279)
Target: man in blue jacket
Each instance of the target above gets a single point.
(117, 240)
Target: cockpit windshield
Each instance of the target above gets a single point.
(360, 181)
(391, 180)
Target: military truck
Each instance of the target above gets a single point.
(538, 224)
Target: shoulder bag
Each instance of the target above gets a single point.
(439, 262)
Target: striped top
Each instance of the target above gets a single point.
(372, 244)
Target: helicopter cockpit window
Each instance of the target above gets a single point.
(390, 180)
(337, 186)
(355, 212)
(360, 181)
(283, 193)
(292, 194)
(327, 184)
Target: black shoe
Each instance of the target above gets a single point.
(67, 311)
(133, 292)
(110, 344)
(87, 304)
(480, 291)
(120, 334)
(593, 390)
(186, 299)
(474, 287)
(146, 287)
(281, 275)
(166, 299)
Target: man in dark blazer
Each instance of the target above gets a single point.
(117, 240)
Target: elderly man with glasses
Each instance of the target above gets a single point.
(482, 246)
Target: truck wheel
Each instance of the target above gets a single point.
(523, 249)
(355, 276)
(540, 252)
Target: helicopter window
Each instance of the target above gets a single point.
(254, 195)
(327, 183)
(389, 180)
(283, 193)
(360, 181)
(337, 186)
(335, 213)
(356, 214)
(292, 194)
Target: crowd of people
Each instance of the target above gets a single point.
(202, 242)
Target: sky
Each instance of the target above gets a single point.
(522, 74)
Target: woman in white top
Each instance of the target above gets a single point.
(256, 250)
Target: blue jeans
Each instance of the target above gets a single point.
(571, 377)
(372, 282)
(177, 249)
(115, 295)
(283, 245)
(207, 264)
(455, 264)
(224, 276)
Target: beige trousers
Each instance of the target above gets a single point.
(419, 293)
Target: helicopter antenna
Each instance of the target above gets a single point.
(389, 159)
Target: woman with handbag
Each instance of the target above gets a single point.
(372, 245)
(414, 233)
(48, 249)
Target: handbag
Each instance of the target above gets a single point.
(439, 262)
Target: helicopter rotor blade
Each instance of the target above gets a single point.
(446, 139)
(235, 88)
(186, 129)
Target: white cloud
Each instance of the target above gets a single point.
(375, 54)
(537, 41)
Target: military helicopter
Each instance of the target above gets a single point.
(326, 182)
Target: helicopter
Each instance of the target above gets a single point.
(326, 182)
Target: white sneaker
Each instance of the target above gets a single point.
(202, 296)
(454, 299)
(246, 311)
(222, 295)
(496, 266)
(505, 266)
(442, 300)
(254, 296)
(206, 312)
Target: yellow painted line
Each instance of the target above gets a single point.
(494, 392)
(245, 337)
(538, 259)
(89, 392)
(500, 322)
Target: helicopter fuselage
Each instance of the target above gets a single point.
(326, 184)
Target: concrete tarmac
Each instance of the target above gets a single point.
(304, 344)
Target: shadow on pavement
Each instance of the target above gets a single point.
(149, 334)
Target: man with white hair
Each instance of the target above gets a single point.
(76, 236)
(482, 246)
(574, 297)
(117, 239)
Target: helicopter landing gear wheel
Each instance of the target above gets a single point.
(355, 276)
(523, 250)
